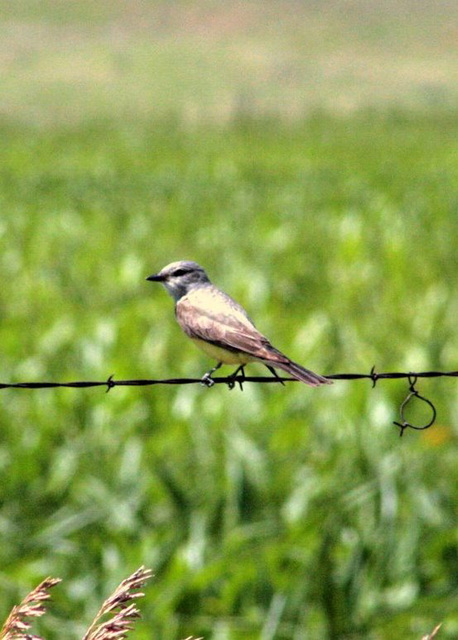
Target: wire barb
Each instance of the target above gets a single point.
(374, 376)
(110, 383)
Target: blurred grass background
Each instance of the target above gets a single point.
(305, 154)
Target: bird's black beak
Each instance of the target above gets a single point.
(156, 277)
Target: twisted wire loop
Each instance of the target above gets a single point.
(413, 393)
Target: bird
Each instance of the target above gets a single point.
(221, 327)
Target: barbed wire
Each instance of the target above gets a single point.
(240, 379)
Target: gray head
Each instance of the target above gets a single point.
(180, 277)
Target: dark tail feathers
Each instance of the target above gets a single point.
(302, 374)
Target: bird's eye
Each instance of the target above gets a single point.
(179, 272)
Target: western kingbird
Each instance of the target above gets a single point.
(220, 326)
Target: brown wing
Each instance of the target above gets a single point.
(209, 314)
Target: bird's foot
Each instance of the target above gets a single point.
(232, 378)
(207, 379)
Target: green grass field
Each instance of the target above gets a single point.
(273, 513)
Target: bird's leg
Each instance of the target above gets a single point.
(231, 378)
(275, 374)
(207, 377)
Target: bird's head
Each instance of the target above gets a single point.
(180, 277)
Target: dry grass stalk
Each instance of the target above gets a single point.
(16, 625)
(120, 604)
(433, 634)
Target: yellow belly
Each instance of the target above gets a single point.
(223, 355)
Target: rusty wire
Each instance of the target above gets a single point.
(373, 376)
